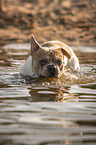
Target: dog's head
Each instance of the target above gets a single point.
(47, 61)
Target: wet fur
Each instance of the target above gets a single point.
(51, 52)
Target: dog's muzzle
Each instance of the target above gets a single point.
(52, 70)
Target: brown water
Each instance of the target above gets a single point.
(43, 111)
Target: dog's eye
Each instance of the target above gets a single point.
(59, 62)
(42, 62)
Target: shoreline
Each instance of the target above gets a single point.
(71, 21)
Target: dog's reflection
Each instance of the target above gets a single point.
(53, 94)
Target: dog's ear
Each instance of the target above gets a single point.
(34, 45)
(66, 53)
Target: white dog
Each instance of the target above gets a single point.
(49, 59)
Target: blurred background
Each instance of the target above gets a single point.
(70, 21)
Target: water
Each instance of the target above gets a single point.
(43, 111)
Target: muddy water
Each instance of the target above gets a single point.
(44, 111)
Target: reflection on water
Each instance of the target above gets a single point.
(43, 111)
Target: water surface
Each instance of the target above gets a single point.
(44, 111)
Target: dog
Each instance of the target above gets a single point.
(49, 59)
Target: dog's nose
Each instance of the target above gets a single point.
(51, 68)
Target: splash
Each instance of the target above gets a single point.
(70, 77)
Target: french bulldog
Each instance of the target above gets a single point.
(49, 59)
